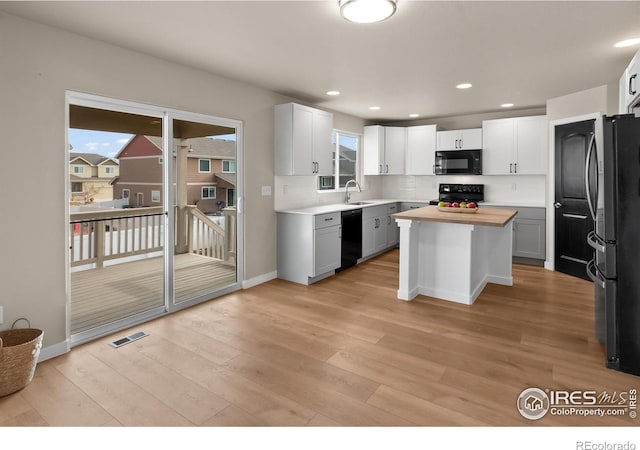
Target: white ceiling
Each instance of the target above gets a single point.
(512, 51)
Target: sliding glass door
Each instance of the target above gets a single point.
(151, 228)
(206, 224)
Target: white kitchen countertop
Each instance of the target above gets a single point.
(335, 207)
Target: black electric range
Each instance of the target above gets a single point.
(459, 193)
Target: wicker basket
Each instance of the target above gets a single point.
(19, 350)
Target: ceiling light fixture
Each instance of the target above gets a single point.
(367, 11)
(464, 85)
(374, 108)
(506, 105)
(414, 115)
(333, 93)
(627, 42)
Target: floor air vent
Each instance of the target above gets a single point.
(127, 339)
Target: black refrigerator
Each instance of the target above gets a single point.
(612, 176)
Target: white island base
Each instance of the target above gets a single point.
(452, 261)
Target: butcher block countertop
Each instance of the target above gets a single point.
(485, 216)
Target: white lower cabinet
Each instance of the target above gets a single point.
(309, 247)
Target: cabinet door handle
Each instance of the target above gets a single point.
(380, 169)
(389, 220)
(387, 168)
(510, 167)
(515, 167)
(329, 219)
(631, 78)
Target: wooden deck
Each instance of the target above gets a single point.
(100, 296)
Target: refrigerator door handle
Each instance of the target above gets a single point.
(587, 166)
(592, 240)
(593, 275)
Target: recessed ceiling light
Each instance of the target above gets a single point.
(374, 108)
(414, 115)
(627, 42)
(507, 105)
(464, 85)
(333, 93)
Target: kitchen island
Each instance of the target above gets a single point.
(451, 255)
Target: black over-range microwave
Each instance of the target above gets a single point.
(458, 162)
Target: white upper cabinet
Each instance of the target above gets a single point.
(470, 139)
(395, 144)
(303, 140)
(630, 86)
(421, 148)
(498, 138)
(384, 150)
(515, 146)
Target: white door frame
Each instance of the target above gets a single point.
(549, 264)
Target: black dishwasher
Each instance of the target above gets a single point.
(351, 238)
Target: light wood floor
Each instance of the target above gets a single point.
(341, 352)
(101, 296)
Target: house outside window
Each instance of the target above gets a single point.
(208, 192)
(228, 166)
(126, 193)
(78, 169)
(204, 165)
(76, 187)
(109, 170)
(346, 164)
(155, 196)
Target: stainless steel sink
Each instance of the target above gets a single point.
(359, 203)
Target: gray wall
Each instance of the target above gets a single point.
(39, 64)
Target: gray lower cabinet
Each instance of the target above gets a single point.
(374, 230)
(393, 232)
(379, 230)
(309, 247)
(529, 234)
(406, 206)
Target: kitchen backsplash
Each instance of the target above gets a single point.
(293, 192)
(526, 190)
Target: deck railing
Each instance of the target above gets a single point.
(100, 236)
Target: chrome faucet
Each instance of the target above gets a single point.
(347, 196)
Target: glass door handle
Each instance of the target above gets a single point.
(557, 205)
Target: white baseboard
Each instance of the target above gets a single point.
(549, 265)
(54, 350)
(251, 282)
